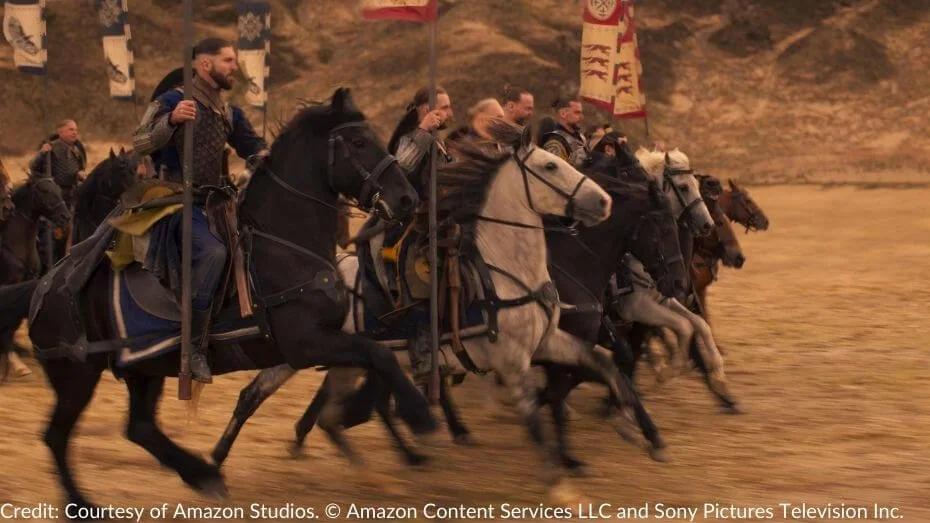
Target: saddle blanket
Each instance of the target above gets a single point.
(150, 321)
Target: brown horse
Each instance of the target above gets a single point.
(720, 245)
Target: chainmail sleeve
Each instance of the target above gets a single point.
(155, 131)
(412, 148)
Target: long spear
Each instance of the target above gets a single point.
(184, 374)
(433, 247)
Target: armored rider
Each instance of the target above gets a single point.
(411, 144)
(216, 123)
(67, 168)
(566, 141)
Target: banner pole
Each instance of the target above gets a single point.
(433, 247)
(184, 373)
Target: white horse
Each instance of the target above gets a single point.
(642, 303)
(504, 197)
(673, 171)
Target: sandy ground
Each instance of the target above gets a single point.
(824, 328)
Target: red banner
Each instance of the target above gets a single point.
(409, 10)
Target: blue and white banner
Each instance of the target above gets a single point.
(117, 48)
(254, 44)
(24, 29)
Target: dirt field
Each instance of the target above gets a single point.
(824, 331)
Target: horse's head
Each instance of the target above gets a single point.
(741, 208)
(359, 166)
(552, 186)
(655, 243)
(118, 172)
(728, 248)
(47, 201)
(673, 169)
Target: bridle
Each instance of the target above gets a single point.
(526, 171)
(739, 198)
(59, 206)
(371, 192)
(668, 180)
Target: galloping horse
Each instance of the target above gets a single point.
(288, 215)
(19, 258)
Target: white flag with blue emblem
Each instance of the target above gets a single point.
(117, 48)
(24, 29)
(254, 44)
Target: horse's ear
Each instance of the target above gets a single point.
(122, 151)
(112, 154)
(733, 186)
(342, 100)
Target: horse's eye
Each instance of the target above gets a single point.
(551, 166)
(683, 188)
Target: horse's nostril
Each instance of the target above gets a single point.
(604, 202)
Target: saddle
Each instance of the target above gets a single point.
(146, 204)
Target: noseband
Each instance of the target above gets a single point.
(668, 175)
(526, 170)
(371, 190)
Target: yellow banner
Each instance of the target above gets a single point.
(599, 52)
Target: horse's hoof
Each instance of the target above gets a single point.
(295, 450)
(658, 454)
(574, 467)
(564, 494)
(212, 488)
(733, 409)
(625, 427)
(416, 460)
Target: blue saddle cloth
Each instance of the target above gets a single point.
(149, 335)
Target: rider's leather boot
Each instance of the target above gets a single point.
(200, 341)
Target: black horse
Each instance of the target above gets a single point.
(289, 212)
(39, 197)
(99, 194)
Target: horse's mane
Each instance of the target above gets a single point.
(462, 185)
(315, 120)
(654, 161)
(634, 193)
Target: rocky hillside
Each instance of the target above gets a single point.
(759, 90)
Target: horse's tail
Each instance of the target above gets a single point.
(14, 307)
